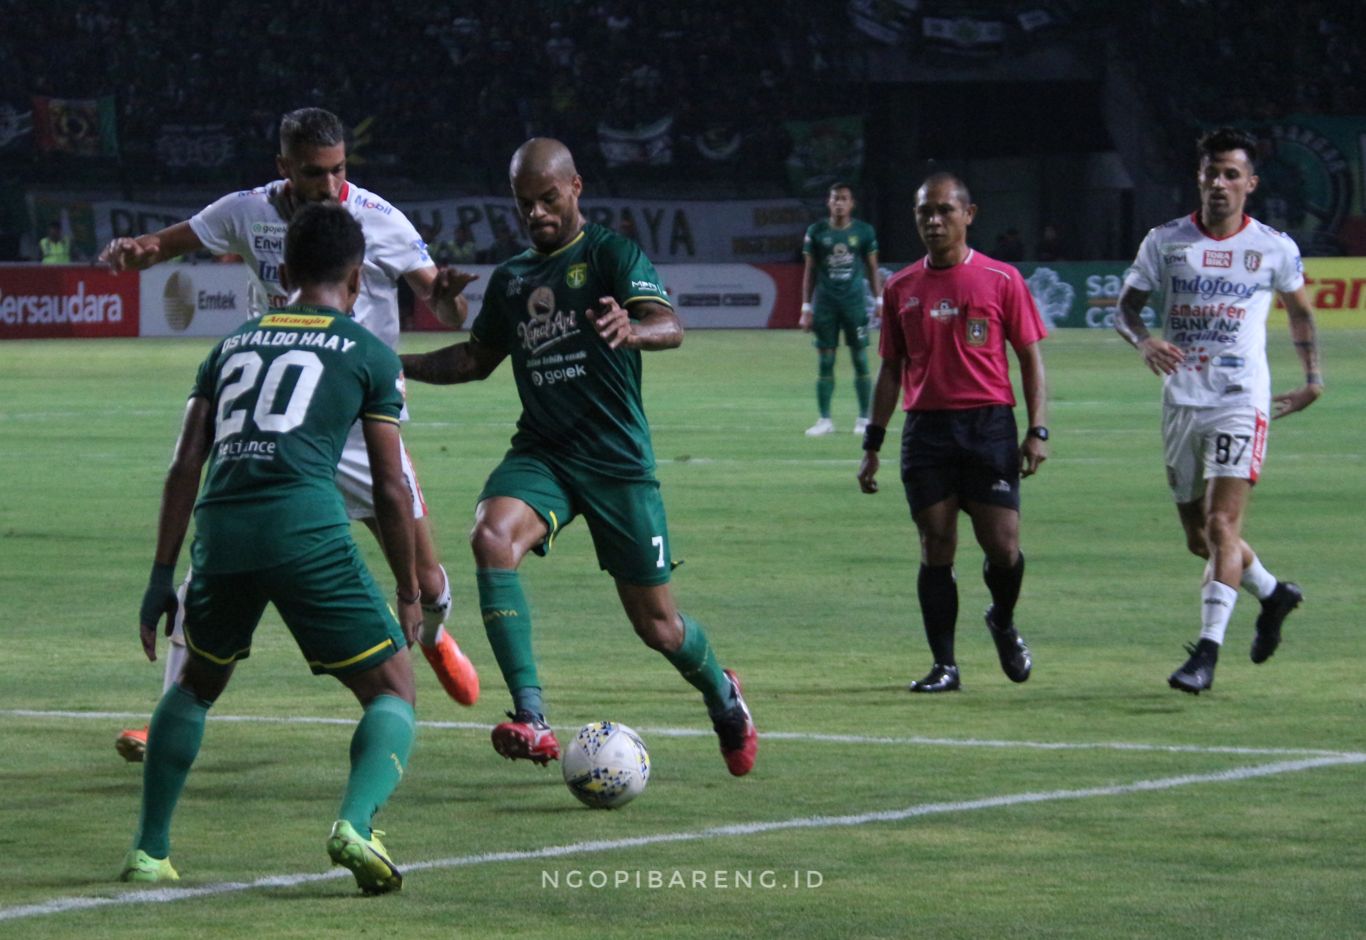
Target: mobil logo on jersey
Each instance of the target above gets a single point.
(365, 202)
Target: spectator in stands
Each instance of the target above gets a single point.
(505, 245)
(55, 246)
(463, 251)
(1050, 245)
(1009, 246)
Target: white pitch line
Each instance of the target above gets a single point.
(858, 739)
(167, 895)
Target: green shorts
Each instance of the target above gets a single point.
(830, 320)
(625, 517)
(327, 598)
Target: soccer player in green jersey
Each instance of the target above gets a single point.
(839, 252)
(269, 415)
(574, 313)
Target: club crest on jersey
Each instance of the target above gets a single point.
(1252, 260)
(977, 331)
(944, 310)
(577, 275)
(1218, 259)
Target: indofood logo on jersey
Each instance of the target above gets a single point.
(1210, 287)
(547, 325)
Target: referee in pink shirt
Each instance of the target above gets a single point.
(946, 321)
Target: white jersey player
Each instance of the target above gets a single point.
(251, 223)
(1218, 271)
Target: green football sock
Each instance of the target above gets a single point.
(825, 382)
(696, 662)
(507, 621)
(173, 740)
(863, 384)
(379, 754)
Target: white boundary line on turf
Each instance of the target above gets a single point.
(912, 740)
(167, 895)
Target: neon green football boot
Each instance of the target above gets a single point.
(141, 867)
(366, 858)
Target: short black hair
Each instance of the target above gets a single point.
(943, 176)
(310, 127)
(323, 243)
(841, 184)
(1224, 139)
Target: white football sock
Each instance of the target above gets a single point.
(434, 613)
(1217, 601)
(1258, 580)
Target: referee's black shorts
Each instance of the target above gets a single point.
(971, 453)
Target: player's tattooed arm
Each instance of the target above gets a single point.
(470, 361)
(1305, 336)
(1162, 357)
(656, 328)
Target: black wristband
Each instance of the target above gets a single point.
(873, 436)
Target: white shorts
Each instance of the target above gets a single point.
(1200, 444)
(353, 478)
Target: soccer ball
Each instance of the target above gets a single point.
(606, 765)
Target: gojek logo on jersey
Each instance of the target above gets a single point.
(547, 325)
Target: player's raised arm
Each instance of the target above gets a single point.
(657, 328)
(136, 254)
(442, 290)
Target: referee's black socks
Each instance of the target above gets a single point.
(1004, 585)
(939, 609)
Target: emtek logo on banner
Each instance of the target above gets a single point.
(76, 307)
(181, 300)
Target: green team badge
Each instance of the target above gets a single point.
(577, 275)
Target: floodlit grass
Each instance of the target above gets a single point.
(808, 590)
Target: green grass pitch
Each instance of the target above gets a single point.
(1092, 801)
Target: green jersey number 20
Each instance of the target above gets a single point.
(243, 369)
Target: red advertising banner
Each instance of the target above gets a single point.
(49, 301)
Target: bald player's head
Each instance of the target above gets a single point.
(546, 186)
(542, 155)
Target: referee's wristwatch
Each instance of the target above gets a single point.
(1038, 431)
